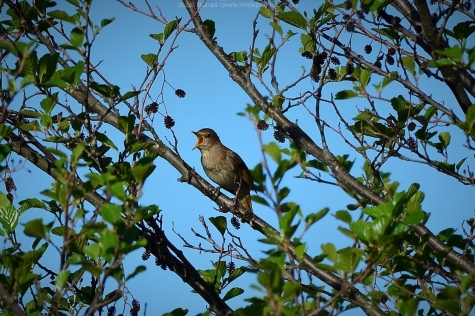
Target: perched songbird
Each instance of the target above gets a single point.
(224, 166)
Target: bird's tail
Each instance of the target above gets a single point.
(246, 202)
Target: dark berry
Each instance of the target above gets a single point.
(315, 72)
(307, 54)
(349, 68)
(231, 267)
(169, 122)
(418, 28)
(262, 125)
(111, 311)
(390, 60)
(146, 255)
(350, 26)
(295, 1)
(335, 60)
(235, 222)
(391, 51)
(151, 108)
(279, 136)
(384, 299)
(421, 119)
(368, 49)
(332, 74)
(365, 8)
(10, 197)
(411, 126)
(10, 184)
(180, 93)
(323, 56)
(412, 143)
(377, 63)
(347, 5)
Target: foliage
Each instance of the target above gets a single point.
(92, 216)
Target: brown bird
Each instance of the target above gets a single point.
(224, 166)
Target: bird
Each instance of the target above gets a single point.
(224, 167)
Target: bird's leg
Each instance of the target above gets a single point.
(215, 192)
(236, 199)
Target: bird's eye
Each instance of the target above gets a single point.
(208, 135)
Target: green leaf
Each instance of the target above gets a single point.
(178, 312)
(93, 250)
(409, 64)
(468, 125)
(137, 271)
(106, 22)
(111, 212)
(61, 230)
(266, 56)
(220, 223)
(283, 193)
(158, 37)
(273, 150)
(345, 94)
(235, 291)
(8, 216)
(236, 274)
(460, 163)
(414, 218)
(9, 48)
(293, 18)
(463, 30)
(109, 91)
(61, 279)
(46, 68)
(260, 200)
(129, 95)
(454, 52)
(77, 37)
(5, 131)
(389, 32)
(171, 26)
(266, 12)
(141, 172)
(329, 250)
(315, 217)
(77, 152)
(276, 27)
(117, 190)
(343, 216)
(210, 26)
(35, 228)
(444, 139)
(150, 59)
(412, 190)
(63, 16)
(127, 123)
(365, 77)
(105, 140)
(443, 62)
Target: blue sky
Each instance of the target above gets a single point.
(212, 100)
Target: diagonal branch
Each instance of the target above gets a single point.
(300, 138)
(177, 262)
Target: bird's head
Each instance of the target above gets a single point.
(206, 138)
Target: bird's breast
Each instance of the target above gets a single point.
(219, 168)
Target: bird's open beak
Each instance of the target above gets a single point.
(198, 141)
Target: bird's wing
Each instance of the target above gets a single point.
(242, 169)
